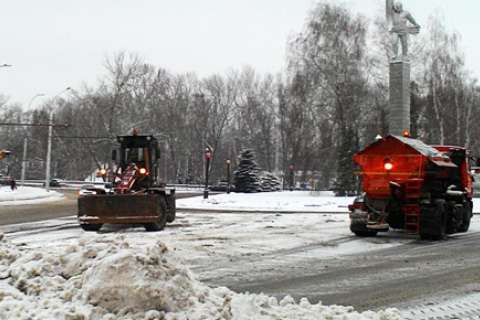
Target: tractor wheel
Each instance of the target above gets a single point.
(159, 225)
(433, 225)
(171, 215)
(91, 227)
(466, 218)
(360, 230)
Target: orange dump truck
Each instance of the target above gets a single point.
(407, 184)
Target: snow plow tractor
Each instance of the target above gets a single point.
(406, 184)
(137, 197)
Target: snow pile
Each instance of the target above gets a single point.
(27, 195)
(286, 201)
(103, 277)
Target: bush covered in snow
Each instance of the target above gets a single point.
(269, 182)
(105, 277)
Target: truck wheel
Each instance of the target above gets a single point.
(171, 216)
(433, 224)
(466, 218)
(360, 230)
(91, 227)
(162, 213)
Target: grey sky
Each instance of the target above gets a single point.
(58, 43)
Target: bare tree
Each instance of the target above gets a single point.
(329, 57)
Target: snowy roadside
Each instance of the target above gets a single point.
(284, 202)
(27, 195)
(276, 202)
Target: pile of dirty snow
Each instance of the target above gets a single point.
(106, 277)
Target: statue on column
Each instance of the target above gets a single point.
(401, 24)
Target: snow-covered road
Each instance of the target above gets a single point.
(224, 248)
(236, 248)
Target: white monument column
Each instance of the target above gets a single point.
(399, 113)
(401, 24)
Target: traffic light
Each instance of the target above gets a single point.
(4, 153)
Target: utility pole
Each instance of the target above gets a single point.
(24, 160)
(208, 157)
(49, 145)
(49, 152)
(228, 163)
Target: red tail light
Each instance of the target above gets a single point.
(388, 166)
(142, 171)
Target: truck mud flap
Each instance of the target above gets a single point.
(121, 209)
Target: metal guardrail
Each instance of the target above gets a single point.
(74, 182)
(77, 184)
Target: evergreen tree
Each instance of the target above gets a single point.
(246, 177)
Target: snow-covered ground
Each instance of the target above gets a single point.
(130, 274)
(26, 195)
(295, 201)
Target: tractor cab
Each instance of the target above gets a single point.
(140, 150)
(138, 155)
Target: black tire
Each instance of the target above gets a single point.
(91, 227)
(159, 225)
(425, 236)
(171, 213)
(466, 218)
(171, 216)
(360, 230)
(433, 221)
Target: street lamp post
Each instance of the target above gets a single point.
(49, 144)
(208, 156)
(49, 152)
(25, 143)
(228, 163)
(292, 176)
(24, 161)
